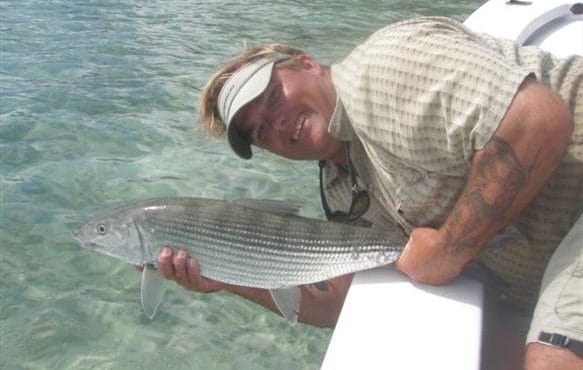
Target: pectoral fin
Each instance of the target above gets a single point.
(153, 289)
(287, 301)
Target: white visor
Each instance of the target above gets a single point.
(247, 83)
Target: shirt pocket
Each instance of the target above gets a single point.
(425, 199)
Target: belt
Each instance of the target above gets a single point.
(562, 341)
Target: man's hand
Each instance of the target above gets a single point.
(184, 269)
(427, 259)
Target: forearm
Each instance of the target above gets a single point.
(322, 302)
(508, 173)
(498, 188)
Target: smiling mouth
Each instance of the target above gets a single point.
(299, 127)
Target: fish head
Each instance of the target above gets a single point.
(113, 233)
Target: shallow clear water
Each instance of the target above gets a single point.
(97, 107)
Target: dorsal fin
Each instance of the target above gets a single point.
(269, 205)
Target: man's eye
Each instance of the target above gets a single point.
(260, 134)
(273, 96)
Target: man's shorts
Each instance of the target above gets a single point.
(558, 316)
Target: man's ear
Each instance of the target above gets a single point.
(308, 63)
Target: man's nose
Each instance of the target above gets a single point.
(276, 120)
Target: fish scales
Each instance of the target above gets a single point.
(231, 261)
(272, 256)
(277, 246)
(241, 230)
(268, 246)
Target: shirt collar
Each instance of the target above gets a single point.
(340, 125)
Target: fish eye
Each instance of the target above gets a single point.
(101, 229)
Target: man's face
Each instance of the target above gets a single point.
(291, 116)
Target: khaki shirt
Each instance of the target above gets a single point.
(416, 100)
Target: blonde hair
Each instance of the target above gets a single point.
(210, 120)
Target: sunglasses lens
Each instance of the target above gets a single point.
(360, 204)
(360, 199)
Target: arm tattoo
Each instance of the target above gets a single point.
(496, 179)
(322, 286)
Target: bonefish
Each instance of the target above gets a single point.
(254, 243)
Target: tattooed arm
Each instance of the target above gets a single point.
(505, 176)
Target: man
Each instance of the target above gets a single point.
(456, 137)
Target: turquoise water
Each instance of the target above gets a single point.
(97, 107)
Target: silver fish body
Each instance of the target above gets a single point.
(240, 244)
(246, 243)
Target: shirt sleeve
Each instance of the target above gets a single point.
(427, 92)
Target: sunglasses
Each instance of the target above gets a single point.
(360, 199)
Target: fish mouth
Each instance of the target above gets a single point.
(299, 126)
(77, 235)
(83, 243)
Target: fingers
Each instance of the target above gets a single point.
(198, 282)
(193, 274)
(180, 267)
(184, 269)
(165, 263)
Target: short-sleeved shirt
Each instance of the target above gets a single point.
(417, 100)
